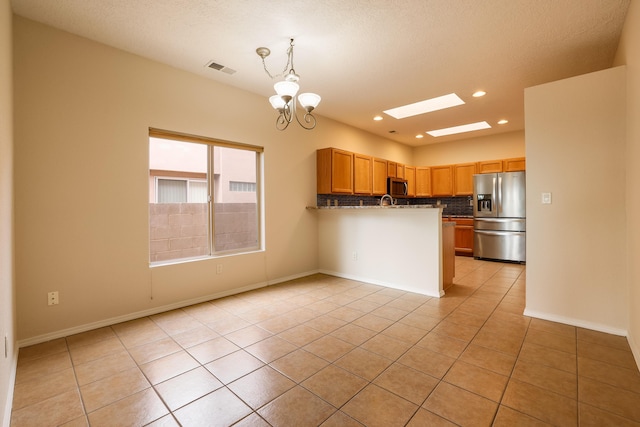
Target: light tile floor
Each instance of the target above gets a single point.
(333, 352)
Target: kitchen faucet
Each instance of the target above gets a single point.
(384, 197)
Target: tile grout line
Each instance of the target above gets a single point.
(75, 376)
(376, 333)
(499, 403)
(127, 349)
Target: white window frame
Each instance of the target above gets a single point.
(164, 134)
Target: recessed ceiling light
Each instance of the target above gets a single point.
(459, 129)
(419, 135)
(377, 118)
(426, 106)
(479, 93)
(503, 122)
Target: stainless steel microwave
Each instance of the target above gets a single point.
(397, 187)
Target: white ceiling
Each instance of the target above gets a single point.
(365, 56)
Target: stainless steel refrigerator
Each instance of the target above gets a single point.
(499, 213)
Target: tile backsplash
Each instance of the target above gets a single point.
(461, 206)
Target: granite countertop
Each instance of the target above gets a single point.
(378, 207)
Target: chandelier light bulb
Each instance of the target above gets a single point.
(277, 102)
(286, 88)
(309, 101)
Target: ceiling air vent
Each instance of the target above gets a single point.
(216, 66)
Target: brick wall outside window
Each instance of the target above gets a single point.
(179, 230)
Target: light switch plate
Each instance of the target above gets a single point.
(546, 198)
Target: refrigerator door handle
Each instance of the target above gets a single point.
(499, 193)
(494, 195)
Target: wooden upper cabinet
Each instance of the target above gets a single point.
(379, 177)
(514, 165)
(423, 182)
(489, 166)
(334, 169)
(392, 169)
(343, 172)
(362, 174)
(463, 179)
(410, 176)
(441, 181)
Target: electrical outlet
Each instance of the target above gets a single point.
(546, 198)
(53, 298)
(219, 269)
(354, 256)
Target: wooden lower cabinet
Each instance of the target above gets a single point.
(448, 255)
(463, 235)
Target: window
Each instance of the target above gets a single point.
(203, 197)
(172, 190)
(242, 186)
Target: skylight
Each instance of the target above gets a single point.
(426, 106)
(460, 129)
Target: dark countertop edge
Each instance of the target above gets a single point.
(379, 207)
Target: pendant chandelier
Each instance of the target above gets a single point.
(285, 100)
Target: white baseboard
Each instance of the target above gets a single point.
(635, 349)
(138, 314)
(8, 405)
(575, 322)
(376, 282)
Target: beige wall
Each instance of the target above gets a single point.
(575, 149)
(629, 54)
(500, 146)
(7, 306)
(81, 131)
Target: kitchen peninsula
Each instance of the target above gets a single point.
(402, 247)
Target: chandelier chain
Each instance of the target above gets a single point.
(288, 67)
